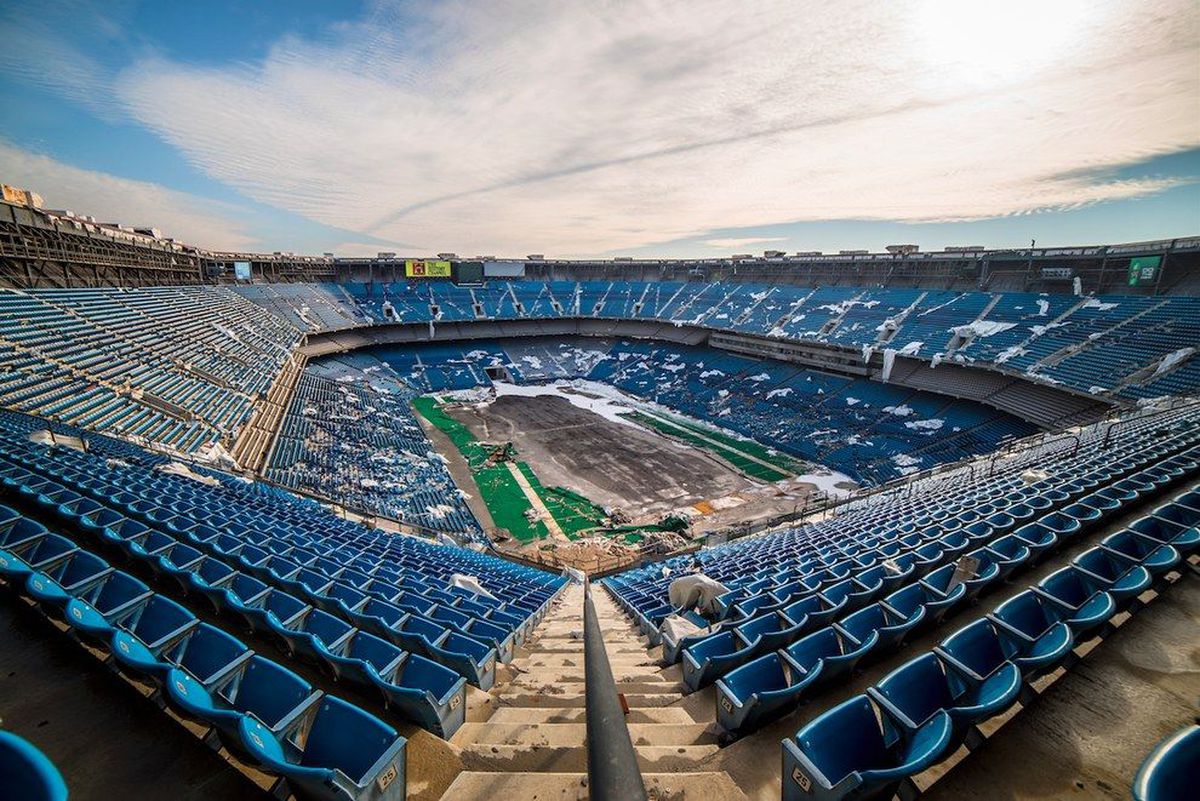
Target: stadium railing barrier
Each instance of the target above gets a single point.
(613, 773)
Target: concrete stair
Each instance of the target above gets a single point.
(533, 745)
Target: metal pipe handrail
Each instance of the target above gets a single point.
(613, 773)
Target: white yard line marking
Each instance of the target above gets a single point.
(722, 445)
(534, 499)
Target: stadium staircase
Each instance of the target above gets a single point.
(532, 745)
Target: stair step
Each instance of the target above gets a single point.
(572, 735)
(517, 714)
(622, 673)
(552, 759)
(481, 786)
(542, 659)
(572, 700)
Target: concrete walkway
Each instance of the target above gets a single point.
(533, 745)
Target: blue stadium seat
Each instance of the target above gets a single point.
(117, 593)
(714, 656)
(1170, 770)
(836, 652)
(25, 772)
(907, 600)
(1151, 554)
(1082, 598)
(69, 578)
(1122, 578)
(983, 648)
(889, 625)
(857, 751)
(333, 752)
(762, 689)
(146, 631)
(1041, 628)
(205, 652)
(269, 692)
(310, 633)
(18, 562)
(920, 688)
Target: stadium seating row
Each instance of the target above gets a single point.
(924, 710)
(176, 366)
(324, 747)
(1084, 343)
(397, 587)
(355, 438)
(824, 570)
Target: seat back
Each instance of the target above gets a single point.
(268, 690)
(377, 652)
(809, 650)
(325, 627)
(346, 738)
(81, 566)
(18, 530)
(846, 739)
(918, 688)
(206, 650)
(976, 646)
(118, 589)
(862, 623)
(284, 605)
(1026, 613)
(158, 618)
(210, 571)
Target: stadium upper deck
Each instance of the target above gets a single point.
(42, 248)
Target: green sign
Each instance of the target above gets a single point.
(1143, 269)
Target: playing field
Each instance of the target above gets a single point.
(568, 463)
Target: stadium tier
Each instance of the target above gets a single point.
(251, 518)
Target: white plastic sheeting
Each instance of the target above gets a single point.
(981, 328)
(1172, 359)
(675, 627)
(889, 361)
(695, 591)
(469, 583)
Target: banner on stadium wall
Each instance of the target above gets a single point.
(426, 269)
(504, 269)
(1143, 269)
(241, 270)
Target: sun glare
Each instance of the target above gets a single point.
(985, 42)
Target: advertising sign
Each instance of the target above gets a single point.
(426, 269)
(1143, 270)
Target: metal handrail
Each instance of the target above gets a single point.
(613, 773)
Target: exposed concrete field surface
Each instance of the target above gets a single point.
(616, 465)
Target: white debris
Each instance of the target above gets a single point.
(1172, 359)
(980, 328)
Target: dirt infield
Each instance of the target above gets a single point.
(615, 465)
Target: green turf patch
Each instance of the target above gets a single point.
(506, 501)
(732, 449)
(504, 498)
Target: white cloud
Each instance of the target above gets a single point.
(743, 241)
(512, 126)
(185, 217)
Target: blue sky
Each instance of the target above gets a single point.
(696, 128)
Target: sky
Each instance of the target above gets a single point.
(644, 128)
